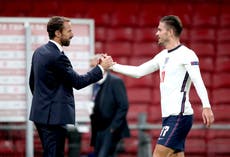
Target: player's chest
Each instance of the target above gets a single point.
(171, 63)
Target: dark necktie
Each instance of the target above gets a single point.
(96, 88)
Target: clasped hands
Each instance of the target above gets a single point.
(106, 61)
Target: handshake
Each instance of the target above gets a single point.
(105, 61)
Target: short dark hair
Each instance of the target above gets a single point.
(174, 23)
(56, 23)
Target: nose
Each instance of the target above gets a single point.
(72, 35)
(156, 34)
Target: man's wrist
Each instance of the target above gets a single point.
(102, 69)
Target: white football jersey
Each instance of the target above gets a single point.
(177, 68)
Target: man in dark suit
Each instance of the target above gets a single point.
(108, 120)
(52, 80)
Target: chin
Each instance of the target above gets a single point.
(66, 44)
(159, 43)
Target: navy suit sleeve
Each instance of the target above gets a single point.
(31, 80)
(119, 92)
(67, 74)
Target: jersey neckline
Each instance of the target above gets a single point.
(174, 48)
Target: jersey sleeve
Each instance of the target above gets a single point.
(191, 63)
(137, 71)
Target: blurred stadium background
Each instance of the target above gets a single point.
(125, 29)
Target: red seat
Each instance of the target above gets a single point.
(221, 80)
(193, 97)
(203, 35)
(223, 35)
(118, 49)
(206, 64)
(145, 34)
(154, 114)
(120, 34)
(221, 95)
(150, 14)
(205, 14)
(197, 109)
(45, 8)
(203, 49)
(197, 133)
(140, 95)
(183, 11)
(6, 147)
(219, 146)
(223, 49)
(130, 145)
(99, 47)
(219, 142)
(17, 8)
(224, 16)
(75, 9)
(148, 49)
(100, 12)
(223, 64)
(207, 78)
(100, 33)
(195, 146)
(221, 110)
(20, 147)
(146, 81)
(124, 14)
(121, 60)
(135, 110)
(185, 36)
(138, 60)
(213, 133)
(101, 19)
(3, 8)
(156, 96)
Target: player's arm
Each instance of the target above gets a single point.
(195, 75)
(136, 71)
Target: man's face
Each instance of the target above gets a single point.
(66, 34)
(162, 34)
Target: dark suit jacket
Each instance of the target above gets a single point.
(52, 80)
(110, 109)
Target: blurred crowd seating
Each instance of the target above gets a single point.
(126, 30)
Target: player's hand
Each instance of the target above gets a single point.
(208, 116)
(106, 61)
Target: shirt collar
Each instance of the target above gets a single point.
(174, 48)
(103, 79)
(58, 45)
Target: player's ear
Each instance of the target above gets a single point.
(171, 32)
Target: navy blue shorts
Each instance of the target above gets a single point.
(174, 131)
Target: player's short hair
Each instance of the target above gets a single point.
(56, 23)
(173, 22)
